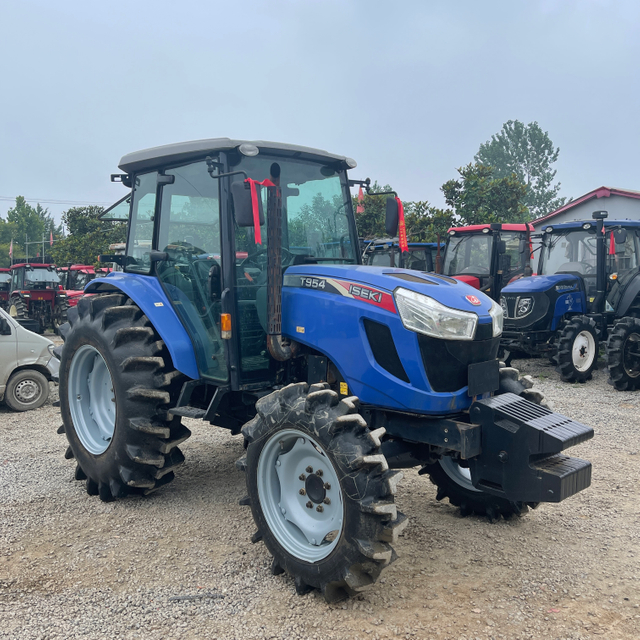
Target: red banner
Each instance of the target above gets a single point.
(612, 245)
(360, 207)
(402, 229)
(255, 207)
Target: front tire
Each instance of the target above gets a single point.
(17, 308)
(578, 349)
(321, 493)
(27, 389)
(116, 384)
(623, 354)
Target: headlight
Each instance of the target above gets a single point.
(497, 317)
(523, 307)
(425, 315)
(505, 308)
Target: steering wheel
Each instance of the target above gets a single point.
(178, 250)
(251, 260)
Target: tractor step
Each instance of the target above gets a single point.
(520, 446)
(188, 412)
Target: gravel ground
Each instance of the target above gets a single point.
(179, 564)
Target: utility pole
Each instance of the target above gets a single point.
(26, 244)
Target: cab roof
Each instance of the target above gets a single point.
(78, 267)
(33, 265)
(182, 152)
(577, 224)
(4, 270)
(479, 227)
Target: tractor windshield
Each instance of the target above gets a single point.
(317, 208)
(5, 279)
(468, 254)
(573, 251)
(80, 279)
(40, 276)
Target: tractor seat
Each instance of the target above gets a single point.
(572, 267)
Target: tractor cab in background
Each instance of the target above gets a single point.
(5, 284)
(74, 278)
(422, 256)
(488, 256)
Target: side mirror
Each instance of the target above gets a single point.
(392, 218)
(5, 328)
(242, 205)
(523, 246)
(502, 247)
(620, 238)
(215, 282)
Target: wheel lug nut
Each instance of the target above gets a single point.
(302, 477)
(320, 508)
(309, 505)
(302, 492)
(327, 501)
(309, 469)
(319, 472)
(327, 486)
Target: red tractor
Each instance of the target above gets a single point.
(35, 293)
(5, 282)
(75, 277)
(488, 256)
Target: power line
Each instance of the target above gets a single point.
(53, 201)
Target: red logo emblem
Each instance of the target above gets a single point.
(474, 300)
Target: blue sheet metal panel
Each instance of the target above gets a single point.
(333, 325)
(577, 224)
(541, 283)
(147, 293)
(568, 303)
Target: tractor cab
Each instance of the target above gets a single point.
(422, 256)
(74, 278)
(5, 284)
(488, 256)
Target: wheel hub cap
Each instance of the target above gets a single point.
(314, 487)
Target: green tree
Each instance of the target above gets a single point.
(426, 223)
(24, 221)
(480, 198)
(527, 152)
(87, 236)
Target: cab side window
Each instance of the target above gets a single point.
(142, 219)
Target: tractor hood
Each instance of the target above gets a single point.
(376, 285)
(562, 282)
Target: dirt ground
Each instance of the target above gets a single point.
(180, 564)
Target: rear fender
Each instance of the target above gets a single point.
(147, 293)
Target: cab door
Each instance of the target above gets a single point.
(8, 351)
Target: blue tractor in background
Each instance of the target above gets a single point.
(243, 302)
(587, 291)
(422, 256)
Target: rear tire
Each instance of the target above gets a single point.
(578, 349)
(623, 354)
(27, 389)
(453, 479)
(331, 534)
(116, 384)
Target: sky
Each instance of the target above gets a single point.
(409, 89)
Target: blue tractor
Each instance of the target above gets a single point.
(587, 291)
(422, 256)
(243, 302)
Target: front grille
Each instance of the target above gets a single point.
(447, 361)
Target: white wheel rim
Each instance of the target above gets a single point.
(460, 475)
(583, 351)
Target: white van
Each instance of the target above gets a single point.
(26, 365)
